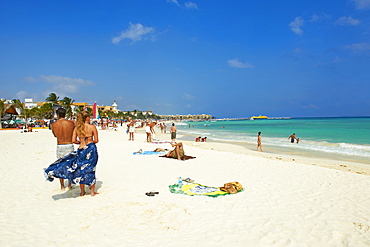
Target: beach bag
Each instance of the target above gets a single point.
(232, 187)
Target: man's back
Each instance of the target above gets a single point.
(63, 130)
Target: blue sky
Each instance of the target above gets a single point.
(221, 57)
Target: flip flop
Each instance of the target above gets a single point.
(151, 193)
(188, 180)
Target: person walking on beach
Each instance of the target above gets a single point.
(148, 132)
(87, 154)
(63, 130)
(173, 131)
(152, 130)
(79, 167)
(259, 141)
(292, 138)
(131, 130)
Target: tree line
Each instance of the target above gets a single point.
(47, 110)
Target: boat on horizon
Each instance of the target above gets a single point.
(258, 117)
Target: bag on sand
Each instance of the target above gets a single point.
(232, 187)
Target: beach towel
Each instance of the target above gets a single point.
(186, 157)
(149, 153)
(195, 189)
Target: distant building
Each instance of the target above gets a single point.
(185, 117)
(29, 104)
(112, 108)
(76, 105)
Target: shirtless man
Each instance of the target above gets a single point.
(63, 130)
(292, 138)
(173, 132)
(152, 129)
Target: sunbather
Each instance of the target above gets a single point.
(178, 151)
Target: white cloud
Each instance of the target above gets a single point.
(65, 85)
(319, 17)
(188, 96)
(295, 25)
(174, 1)
(347, 21)
(187, 5)
(22, 95)
(30, 79)
(358, 47)
(337, 60)
(235, 63)
(310, 106)
(135, 32)
(191, 5)
(362, 4)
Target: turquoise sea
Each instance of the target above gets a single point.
(335, 138)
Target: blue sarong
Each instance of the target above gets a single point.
(78, 167)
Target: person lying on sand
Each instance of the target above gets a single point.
(178, 151)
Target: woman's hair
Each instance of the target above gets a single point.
(80, 122)
(259, 133)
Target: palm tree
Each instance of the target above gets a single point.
(23, 113)
(46, 111)
(35, 112)
(52, 98)
(67, 102)
(20, 106)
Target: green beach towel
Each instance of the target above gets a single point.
(195, 189)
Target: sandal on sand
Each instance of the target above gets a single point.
(188, 180)
(151, 193)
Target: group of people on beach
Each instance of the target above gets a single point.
(149, 129)
(201, 139)
(292, 138)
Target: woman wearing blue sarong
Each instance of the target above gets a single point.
(79, 167)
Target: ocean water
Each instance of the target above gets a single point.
(339, 138)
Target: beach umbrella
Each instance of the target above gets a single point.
(11, 122)
(19, 121)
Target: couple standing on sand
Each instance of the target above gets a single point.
(78, 167)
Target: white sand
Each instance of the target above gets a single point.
(285, 202)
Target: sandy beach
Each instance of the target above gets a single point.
(287, 201)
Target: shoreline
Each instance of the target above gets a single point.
(321, 160)
(271, 152)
